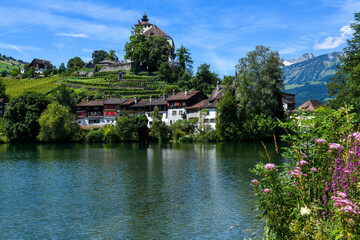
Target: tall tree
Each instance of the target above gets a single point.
(227, 119)
(62, 68)
(57, 124)
(21, 116)
(183, 57)
(205, 80)
(260, 81)
(135, 49)
(98, 56)
(159, 51)
(75, 63)
(112, 56)
(64, 96)
(2, 91)
(345, 85)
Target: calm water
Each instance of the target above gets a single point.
(127, 191)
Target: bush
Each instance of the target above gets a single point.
(316, 195)
(94, 136)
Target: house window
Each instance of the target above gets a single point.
(212, 120)
(174, 113)
(180, 112)
(112, 113)
(107, 113)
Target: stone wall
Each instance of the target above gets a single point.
(121, 66)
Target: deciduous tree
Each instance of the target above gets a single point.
(21, 116)
(98, 56)
(260, 81)
(57, 123)
(75, 63)
(345, 85)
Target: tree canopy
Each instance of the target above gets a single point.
(112, 56)
(21, 116)
(147, 53)
(57, 123)
(183, 57)
(260, 81)
(98, 56)
(345, 85)
(75, 63)
(205, 80)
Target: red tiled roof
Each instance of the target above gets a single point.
(115, 100)
(198, 105)
(155, 31)
(182, 96)
(310, 105)
(91, 103)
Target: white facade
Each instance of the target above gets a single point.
(175, 114)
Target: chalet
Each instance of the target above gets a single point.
(161, 103)
(112, 109)
(288, 101)
(178, 102)
(309, 105)
(138, 109)
(90, 113)
(210, 104)
(41, 65)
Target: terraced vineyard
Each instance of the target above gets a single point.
(128, 86)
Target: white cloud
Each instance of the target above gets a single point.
(334, 42)
(12, 47)
(76, 35)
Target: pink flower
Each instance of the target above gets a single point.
(266, 190)
(302, 163)
(320, 141)
(341, 194)
(334, 146)
(254, 181)
(313, 169)
(269, 166)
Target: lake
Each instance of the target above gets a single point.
(128, 191)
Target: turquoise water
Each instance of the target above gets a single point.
(127, 191)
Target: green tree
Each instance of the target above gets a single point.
(345, 85)
(2, 91)
(135, 49)
(57, 124)
(75, 63)
(228, 80)
(47, 73)
(227, 119)
(183, 58)
(21, 116)
(205, 80)
(158, 51)
(4, 73)
(98, 56)
(260, 81)
(62, 68)
(64, 96)
(159, 130)
(112, 56)
(15, 72)
(132, 128)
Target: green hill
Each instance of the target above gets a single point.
(9, 63)
(307, 79)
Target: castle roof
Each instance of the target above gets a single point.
(155, 31)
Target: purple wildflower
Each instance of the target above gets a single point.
(334, 146)
(266, 190)
(302, 163)
(320, 141)
(269, 166)
(254, 181)
(313, 169)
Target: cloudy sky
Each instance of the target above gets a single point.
(216, 32)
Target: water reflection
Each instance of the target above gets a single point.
(127, 191)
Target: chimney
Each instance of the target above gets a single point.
(173, 91)
(186, 92)
(87, 98)
(218, 86)
(135, 98)
(150, 99)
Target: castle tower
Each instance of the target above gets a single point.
(144, 23)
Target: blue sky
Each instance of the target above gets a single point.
(216, 32)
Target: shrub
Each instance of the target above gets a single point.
(94, 136)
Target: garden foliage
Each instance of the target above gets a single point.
(316, 194)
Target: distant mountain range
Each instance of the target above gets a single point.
(307, 75)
